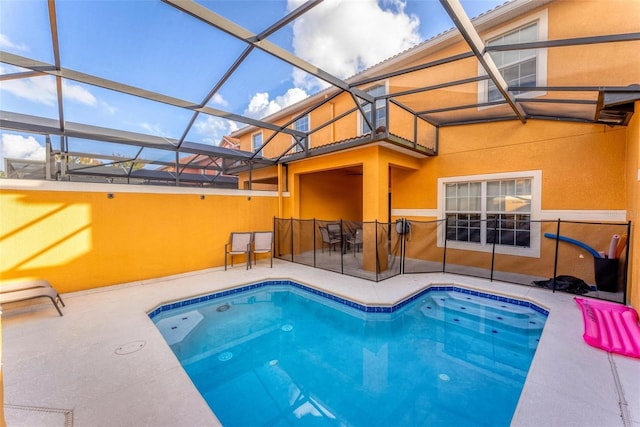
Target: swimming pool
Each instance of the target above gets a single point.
(279, 352)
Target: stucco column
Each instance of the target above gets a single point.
(375, 183)
(294, 194)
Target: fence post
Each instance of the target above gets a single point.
(314, 242)
(341, 248)
(626, 264)
(403, 243)
(493, 248)
(376, 252)
(291, 239)
(555, 260)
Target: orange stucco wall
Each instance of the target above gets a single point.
(331, 195)
(76, 237)
(582, 164)
(582, 167)
(263, 179)
(355, 188)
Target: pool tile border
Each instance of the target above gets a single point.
(361, 307)
(344, 301)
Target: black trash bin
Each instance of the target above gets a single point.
(606, 270)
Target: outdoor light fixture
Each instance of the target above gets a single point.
(110, 196)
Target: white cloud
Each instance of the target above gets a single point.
(107, 108)
(344, 37)
(153, 128)
(219, 100)
(214, 128)
(43, 90)
(77, 93)
(7, 44)
(261, 106)
(36, 89)
(20, 147)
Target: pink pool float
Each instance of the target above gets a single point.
(610, 326)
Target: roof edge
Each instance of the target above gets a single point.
(491, 18)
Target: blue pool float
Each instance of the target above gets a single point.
(574, 242)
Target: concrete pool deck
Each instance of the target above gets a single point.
(105, 363)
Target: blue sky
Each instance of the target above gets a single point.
(150, 44)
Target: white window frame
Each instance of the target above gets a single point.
(253, 143)
(541, 55)
(361, 121)
(296, 148)
(536, 208)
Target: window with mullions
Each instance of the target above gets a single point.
(509, 212)
(256, 143)
(463, 204)
(522, 68)
(487, 212)
(518, 67)
(381, 109)
(302, 124)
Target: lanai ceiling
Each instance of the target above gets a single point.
(136, 59)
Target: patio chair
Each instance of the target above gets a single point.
(355, 241)
(328, 240)
(239, 244)
(263, 244)
(335, 231)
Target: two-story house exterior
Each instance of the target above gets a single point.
(448, 142)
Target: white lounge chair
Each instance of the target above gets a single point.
(22, 284)
(22, 290)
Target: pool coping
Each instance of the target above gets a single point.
(569, 383)
(360, 306)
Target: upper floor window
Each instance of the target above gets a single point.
(302, 124)
(256, 142)
(518, 67)
(522, 68)
(381, 109)
(484, 210)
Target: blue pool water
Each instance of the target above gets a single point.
(282, 356)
